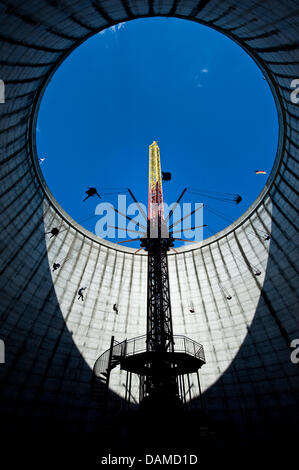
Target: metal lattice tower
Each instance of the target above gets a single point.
(160, 359)
(159, 322)
(159, 338)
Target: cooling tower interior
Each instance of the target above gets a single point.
(250, 386)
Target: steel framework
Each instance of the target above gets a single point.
(160, 367)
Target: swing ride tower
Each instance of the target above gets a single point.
(164, 359)
(160, 382)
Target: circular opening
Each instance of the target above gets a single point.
(182, 84)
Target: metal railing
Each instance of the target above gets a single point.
(102, 363)
(181, 344)
(138, 345)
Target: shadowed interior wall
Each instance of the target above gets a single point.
(52, 339)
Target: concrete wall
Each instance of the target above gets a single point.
(52, 340)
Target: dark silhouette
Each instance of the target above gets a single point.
(191, 310)
(238, 199)
(55, 266)
(80, 293)
(229, 297)
(166, 176)
(54, 231)
(115, 308)
(267, 237)
(91, 192)
(258, 273)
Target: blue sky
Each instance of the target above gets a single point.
(187, 86)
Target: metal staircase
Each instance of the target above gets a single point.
(102, 370)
